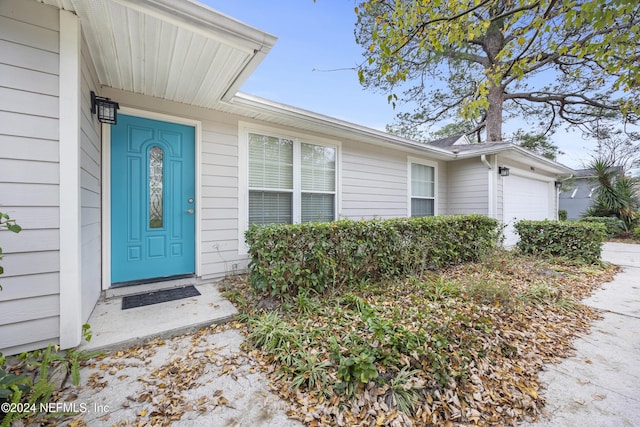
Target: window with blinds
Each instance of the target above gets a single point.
(290, 181)
(270, 180)
(318, 183)
(422, 190)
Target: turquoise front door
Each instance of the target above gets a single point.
(152, 199)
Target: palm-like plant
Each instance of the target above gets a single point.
(616, 194)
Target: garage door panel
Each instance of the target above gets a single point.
(524, 198)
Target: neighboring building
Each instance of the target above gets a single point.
(169, 190)
(576, 195)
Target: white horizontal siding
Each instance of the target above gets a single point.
(219, 199)
(28, 335)
(25, 309)
(21, 148)
(34, 285)
(29, 174)
(467, 187)
(20, 101)
(28, 80)
(373, 182)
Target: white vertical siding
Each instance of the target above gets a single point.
(468, 190)
(29, 174)
(90, 190)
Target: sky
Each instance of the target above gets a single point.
(312, 66)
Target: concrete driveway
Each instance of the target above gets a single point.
(600, 385)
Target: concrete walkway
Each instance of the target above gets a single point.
(114, 328)
(600, 385)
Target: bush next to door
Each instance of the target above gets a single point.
(612, 224)
(318, 256)
(581, 241)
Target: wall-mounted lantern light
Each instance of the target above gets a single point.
(105, 108)
(503, 171)
(558, 185)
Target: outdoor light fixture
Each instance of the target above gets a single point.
(105, 108)
(503, 171)
(558, 184)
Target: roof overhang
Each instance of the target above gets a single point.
(516, 153)
(285, 115)
(178, 50)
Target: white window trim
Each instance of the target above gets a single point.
(434, 165)
(244, 129)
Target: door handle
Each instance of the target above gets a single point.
(189, 211)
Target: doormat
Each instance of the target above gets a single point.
(157, 297)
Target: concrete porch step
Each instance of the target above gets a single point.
(114, 328)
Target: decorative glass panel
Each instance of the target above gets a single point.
(422, 207)
(317, 207)
(422, 180)
(270, 207)
(270, 162)
(155, 187)
(318, 168)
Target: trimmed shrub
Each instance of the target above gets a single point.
(580, 241)
(612, 224)
(285, 258)
(562, 215)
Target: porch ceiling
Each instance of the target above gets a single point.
(178, 50)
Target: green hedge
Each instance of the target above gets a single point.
(581, 241)
(612, 224)
(319, 256)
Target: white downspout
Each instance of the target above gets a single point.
(483, 159)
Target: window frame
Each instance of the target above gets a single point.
(298, 138)
(415, 160)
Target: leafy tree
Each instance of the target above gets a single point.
(548, 61)
(538, 143)
(616, 147)
(406, 130)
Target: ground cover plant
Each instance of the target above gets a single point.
(457, 345)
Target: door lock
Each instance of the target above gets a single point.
(189, 211)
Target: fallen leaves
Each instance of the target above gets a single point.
(474, 336)
(489, 328)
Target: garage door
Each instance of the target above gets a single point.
(524, 198)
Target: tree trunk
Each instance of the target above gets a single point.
(494, 114)
(493, 44)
